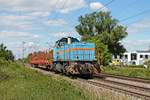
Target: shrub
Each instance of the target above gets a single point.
(147, 63)
(5, 53)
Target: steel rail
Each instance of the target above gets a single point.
(135, 79)
(128, 85)
(111, 87)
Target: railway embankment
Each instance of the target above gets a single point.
(129, 71)
(104, 89)
(20, 83)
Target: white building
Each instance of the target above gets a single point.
(137, 57)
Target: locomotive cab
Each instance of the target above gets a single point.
(65, 41)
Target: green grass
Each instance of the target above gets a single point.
(20, 83)
(128, 71)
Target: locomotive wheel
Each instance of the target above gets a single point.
(97, 66)
(32, 65)
(58, 67)
(64, 69)
(35, 65)
(53, 67)
(48, 67)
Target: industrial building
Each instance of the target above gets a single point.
(133, 58)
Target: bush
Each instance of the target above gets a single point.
(131, 71)
(3, 61)
(147, 63)
(5, 53)
(21, 83)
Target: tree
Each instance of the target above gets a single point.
(101, 27)
(6, 54)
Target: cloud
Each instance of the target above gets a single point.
(15, 34)
(98, 5)
(70, 5)
(139, 26)
(16, 21)
(41, 5)
(58, 22)
(19, 18)
(59, 35)
(27, 22)
(35, 46)
(136, 44)
(31, 45)
(39, 14)
(36, 36)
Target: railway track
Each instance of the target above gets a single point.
(119, 89)
(128, 89)
(138, 87)
(128, 85)
(135, 79)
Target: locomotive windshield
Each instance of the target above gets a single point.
(64, 41)
(74, 40)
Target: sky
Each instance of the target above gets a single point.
(39, 23)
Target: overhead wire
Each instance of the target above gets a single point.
(130, 17)
(105, 5)
(56, 15)
(133, 16)
(56, 8)
(89, 2)
(129, 5)
(64, 3)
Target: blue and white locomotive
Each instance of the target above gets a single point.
(72, 57)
